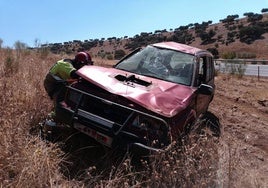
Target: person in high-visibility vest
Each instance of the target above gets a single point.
(61, 74)
(62, 71)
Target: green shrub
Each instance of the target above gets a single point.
(43, 52)
(264, 63)
(245, 55)
(228, 55)
(235, 68)
(1, 42)
(11, 66)
(101, 54)
(118, 54)
(110, 57)
(20, 47)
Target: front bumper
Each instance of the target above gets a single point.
(107, 132)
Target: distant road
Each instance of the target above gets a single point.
(251, 70)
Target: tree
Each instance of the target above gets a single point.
(214, 52)
(230, 19)
(250, 33)
(183, 28)
(1, 42)
(248, 14)
(190, 25)
(264, 10)
(19, 47)
(37, 43)
(206, 37)
(255, 18)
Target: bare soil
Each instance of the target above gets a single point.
(242, 107)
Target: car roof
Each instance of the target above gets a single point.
(182, 48)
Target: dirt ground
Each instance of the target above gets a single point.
(241, 104)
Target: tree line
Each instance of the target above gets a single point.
(246, 30)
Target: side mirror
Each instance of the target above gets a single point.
(205, 89)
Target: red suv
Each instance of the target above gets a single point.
(149, 98)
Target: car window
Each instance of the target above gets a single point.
(161, 63)
(210, 69)
(131, 63)
(206, 71)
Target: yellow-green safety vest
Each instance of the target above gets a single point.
(62, 69)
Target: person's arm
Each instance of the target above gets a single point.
(74, 75)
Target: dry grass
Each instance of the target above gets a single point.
(76, 161)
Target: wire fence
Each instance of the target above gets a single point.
(257, 68)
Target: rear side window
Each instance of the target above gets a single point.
(210, 69)
(206, 69)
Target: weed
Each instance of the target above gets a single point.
(235, 68)
(11, 66)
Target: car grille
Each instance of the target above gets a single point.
(98, 106)
(113, 118)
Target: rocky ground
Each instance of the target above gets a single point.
(241, 104)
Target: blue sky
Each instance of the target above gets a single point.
(52, 21)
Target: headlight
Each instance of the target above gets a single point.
(145, 123)
(154, 131)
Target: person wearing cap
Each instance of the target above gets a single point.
(61, 74)
(63, 71)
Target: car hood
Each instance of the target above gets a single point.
(162, 97)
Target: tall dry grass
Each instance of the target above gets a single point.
(76, 161)
(24, 159)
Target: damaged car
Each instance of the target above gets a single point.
(148, 99)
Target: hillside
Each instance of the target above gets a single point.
(245, 37)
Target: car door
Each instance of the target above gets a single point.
(205, 70)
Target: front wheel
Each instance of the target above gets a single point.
(208, 122)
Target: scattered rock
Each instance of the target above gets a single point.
(255, 116)
(260, 158)
(263, 102)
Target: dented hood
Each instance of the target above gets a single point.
(159, 96)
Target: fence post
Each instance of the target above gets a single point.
(258, 73)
